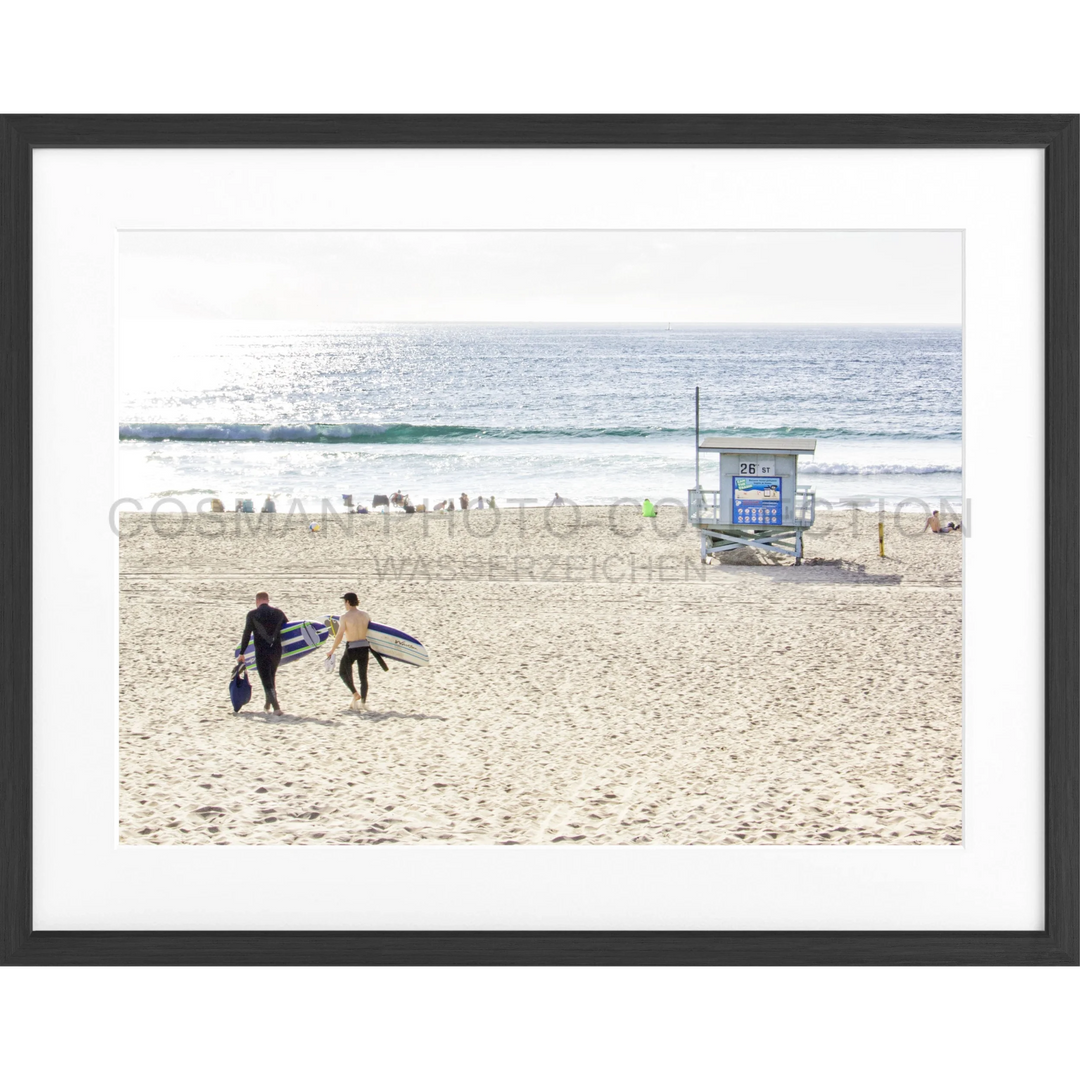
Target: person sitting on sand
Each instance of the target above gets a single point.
(264, 625)
(464, 501)
(269, 507)
(439, 506)
(353, 627)
(557, 501)
(450, 505)
(491, 502)
(479, 502)
(933, 523)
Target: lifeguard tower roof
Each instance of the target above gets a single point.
(767, 446)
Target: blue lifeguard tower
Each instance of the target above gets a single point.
(758, 501)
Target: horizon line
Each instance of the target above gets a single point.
(547, 322)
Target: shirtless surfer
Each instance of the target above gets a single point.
(933, 523)
(353, 626)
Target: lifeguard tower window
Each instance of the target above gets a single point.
(757, 501)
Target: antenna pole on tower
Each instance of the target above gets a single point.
(697, 437)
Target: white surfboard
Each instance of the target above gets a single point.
(392, 643)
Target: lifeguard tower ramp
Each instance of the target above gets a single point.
(757, 502)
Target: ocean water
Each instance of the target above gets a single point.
(596, 413)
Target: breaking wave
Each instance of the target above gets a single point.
(411, 433)
(841, 469)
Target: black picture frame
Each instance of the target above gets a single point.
(1055, 135)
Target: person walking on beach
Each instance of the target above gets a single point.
(264, 626)
(464, 501)
(353, 627)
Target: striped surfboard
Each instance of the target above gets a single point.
(297, 639)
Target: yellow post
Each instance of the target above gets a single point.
(881, 538)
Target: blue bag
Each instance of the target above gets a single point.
(239, 688)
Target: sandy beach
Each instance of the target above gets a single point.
(591, 683)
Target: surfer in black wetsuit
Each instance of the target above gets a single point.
(264, 627)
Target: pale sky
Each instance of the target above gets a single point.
(543, 276)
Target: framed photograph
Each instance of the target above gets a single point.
(540, 539)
